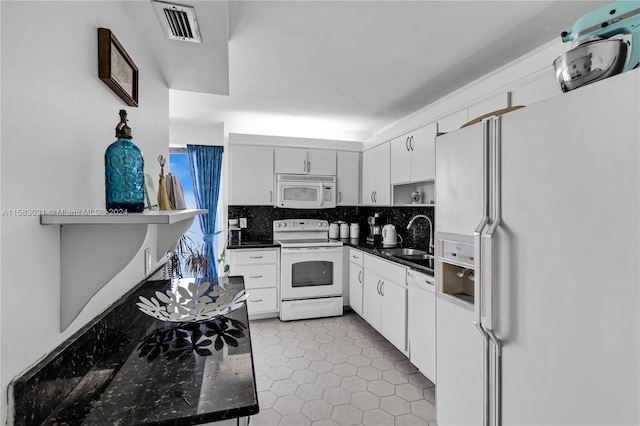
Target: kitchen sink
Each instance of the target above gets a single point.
(403, 251)
(408, 253)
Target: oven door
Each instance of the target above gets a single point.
(310, 272)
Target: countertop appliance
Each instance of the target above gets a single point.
(550, 278)
(310, 269)
(389, 236)
(334, 230)
(604, 42)
(375, 223)
(305, 191)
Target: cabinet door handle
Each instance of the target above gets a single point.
(378, 287)
(308, 166)
(360, 276)
(411, 143)
(255, 300)
(371, 196)
(375, 196)
(256, 276)
(382, 288)
(339, 196)
(270, 197)
(406, 143)
(255, 257)
(355, 257)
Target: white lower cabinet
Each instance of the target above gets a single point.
(384, 299)
(260, 270)
(421, 323)
(356, 279)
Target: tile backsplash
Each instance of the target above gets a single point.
(260, 218)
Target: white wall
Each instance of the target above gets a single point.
(57, 120)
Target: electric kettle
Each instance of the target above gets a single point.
(389, 236)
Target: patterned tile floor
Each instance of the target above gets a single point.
(335, 371)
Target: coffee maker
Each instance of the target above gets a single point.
(376, 222)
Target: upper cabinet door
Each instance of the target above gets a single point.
(321, 162)
(301, 161)
(251, 175)
(368, 177)
(348, 178)
(382, 192)
(423, 153)
(291, 160)
(401, 159)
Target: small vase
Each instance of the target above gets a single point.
(163, 196)
(124, 172)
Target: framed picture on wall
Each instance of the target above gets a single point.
(116, 68)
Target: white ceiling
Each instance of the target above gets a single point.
(344, 69)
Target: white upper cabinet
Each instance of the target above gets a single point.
(251, 175)
(348, 178)
(321, 162)
(291, 160)
(423, 153)
(413, 156)
(376, 183)
(305, 161)
(401, 159)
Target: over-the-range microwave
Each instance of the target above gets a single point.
(305, 191)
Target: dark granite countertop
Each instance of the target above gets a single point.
(426, 267)
(149, 372)
(253, 244)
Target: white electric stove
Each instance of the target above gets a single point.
(310, 269)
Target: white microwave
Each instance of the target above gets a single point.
(305, 191)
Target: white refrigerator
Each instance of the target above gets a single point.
(538, 318)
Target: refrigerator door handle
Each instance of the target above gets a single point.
(479, 272)
(496, 397)
(478, 232)
(487, 290)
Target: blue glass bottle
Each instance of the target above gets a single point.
(124, 172)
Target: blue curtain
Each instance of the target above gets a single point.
(205, 164)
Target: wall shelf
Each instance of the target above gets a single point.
(83, 217)
(95, 248)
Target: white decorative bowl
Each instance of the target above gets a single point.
(190, 303)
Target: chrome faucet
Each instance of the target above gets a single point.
(430, 229)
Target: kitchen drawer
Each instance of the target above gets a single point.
(385, 269)
(262, 300)
(256, 276)
(252, 257)
(356, 256)
(419, 280)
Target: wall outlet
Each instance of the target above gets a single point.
(243, 222)
(147, 261)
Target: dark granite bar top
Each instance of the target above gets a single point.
(426, 267)
(148, 372)
(253, 244)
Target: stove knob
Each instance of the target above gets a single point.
(319, 224)
(277, 225)
(284, 224)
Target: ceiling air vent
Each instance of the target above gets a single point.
(179, 21)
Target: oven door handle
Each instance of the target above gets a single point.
(313, 250)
